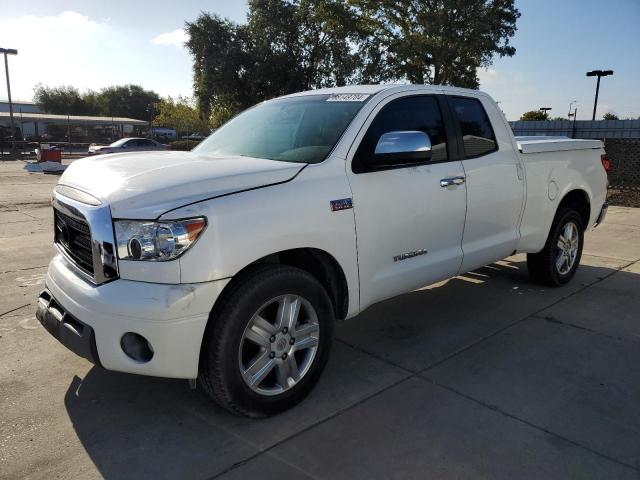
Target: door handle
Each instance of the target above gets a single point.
(449, 181)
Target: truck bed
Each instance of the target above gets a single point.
(554, 144)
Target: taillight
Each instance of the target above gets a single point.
(606, 163)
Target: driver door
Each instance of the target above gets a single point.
(409, 215)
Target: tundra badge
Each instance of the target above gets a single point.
(415, 253)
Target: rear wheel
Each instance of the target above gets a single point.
(558, 261)
(269, 341)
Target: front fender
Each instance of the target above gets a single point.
(250, 225)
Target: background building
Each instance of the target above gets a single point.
(33, 124)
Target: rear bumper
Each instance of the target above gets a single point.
(172, 318)
(602, 215)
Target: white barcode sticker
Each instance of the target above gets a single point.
(348, 97)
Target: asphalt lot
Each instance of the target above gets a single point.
(484, 376)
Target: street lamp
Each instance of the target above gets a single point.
(598, 73)
(151, 109)
(10, 51)
(575, 116)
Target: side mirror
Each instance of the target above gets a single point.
(401, 148)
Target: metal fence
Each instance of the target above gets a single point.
(598, 129)
(624, 154)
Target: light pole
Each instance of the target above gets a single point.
(545, 110)
(598, 73)
(574, 115)
(10, 51)
(151, 110)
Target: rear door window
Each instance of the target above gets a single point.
(477, 134)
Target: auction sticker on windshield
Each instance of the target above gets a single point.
(348, 97)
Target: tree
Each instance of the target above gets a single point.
(285, 46)
(292, 45)
(63, 100)
(534, 115)
(219, 60)
(180, 114)
(610, 116)
(130, 101)
(438, 41)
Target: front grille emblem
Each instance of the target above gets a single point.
(63, 232)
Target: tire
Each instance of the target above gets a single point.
(236, 339)
(546, 266)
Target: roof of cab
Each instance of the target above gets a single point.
(395, 87)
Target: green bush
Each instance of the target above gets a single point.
(184, 145)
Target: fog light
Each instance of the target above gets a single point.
(136, 347)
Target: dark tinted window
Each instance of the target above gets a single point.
(409, 113)
(477, 133)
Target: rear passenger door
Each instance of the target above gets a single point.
(409, 216)
(494, 181)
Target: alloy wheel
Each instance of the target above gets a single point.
(567, 248)
(279, 345)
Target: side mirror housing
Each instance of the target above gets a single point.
(401, 148)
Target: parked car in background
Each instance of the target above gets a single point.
(128, 145)
(229, 263)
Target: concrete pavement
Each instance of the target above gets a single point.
(485, 375)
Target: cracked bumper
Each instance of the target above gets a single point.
(171, 317)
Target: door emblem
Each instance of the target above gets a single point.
(342, 204)
(405, 256)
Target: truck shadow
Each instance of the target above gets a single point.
(142, 427)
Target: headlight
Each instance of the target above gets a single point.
(156, 241)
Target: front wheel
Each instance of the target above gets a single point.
(558, 261)
(269, 341)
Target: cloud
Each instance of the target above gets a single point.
(487, 76)
(513, 89)
(73, 49)
(177, 37)
(64, 49)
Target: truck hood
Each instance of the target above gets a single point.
(147, 184)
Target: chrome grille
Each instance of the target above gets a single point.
(74, 237)
(84, 234)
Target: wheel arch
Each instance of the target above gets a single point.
(319, 263)
(578, 200)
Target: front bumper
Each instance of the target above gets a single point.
(172, 318)
(71, 332)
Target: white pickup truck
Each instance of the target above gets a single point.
(229, 264)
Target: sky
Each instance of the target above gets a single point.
(94, 44)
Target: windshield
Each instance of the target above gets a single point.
(119, 143)
(299, 129)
